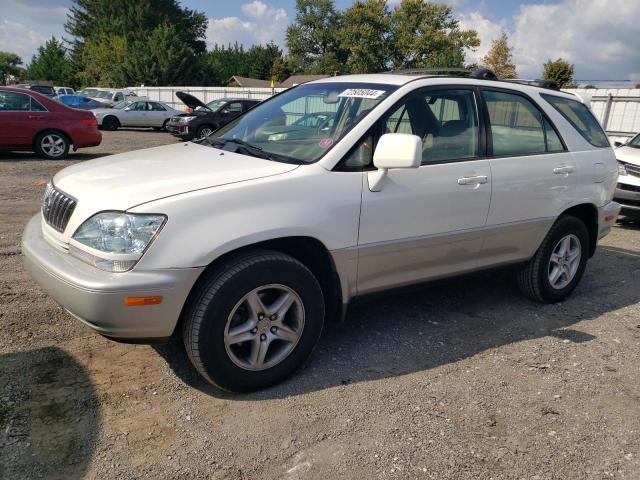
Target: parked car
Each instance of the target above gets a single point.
(109, 98)
(32, 121)
(203, 119)
(79, 101)
(318, 124)
(43, 89)
(628, 188)
(64, 91)
(140, 113)
(244, 245)
(88, 92)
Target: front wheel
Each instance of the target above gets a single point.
(204, 131)
(558, 265)
(254, 320)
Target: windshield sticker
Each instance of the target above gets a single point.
(361, 93)
(326, 142)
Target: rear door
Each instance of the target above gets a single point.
(157, 115)
(427, 222)
(533, 176)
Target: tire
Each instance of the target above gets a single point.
(164, 125)
(52, 145)
(110, 123)
(538, 280)
(222, 304)
(203, 129)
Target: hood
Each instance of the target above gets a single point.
(628, 154)
(190, 101)
(122, 181)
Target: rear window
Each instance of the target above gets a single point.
(581, 118)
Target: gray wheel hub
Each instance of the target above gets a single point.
(53, 145)
(564, 261)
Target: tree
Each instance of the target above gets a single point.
(260, 59)
(312, 40)
(560, 71)
(51, 63)
(363, 33)
(150, 38)
(9, 65)
(498, 59)
(426, 34)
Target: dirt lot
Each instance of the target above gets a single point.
(463, 380)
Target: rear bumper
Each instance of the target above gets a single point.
(607, 216)
(90, 138)
(96, 298)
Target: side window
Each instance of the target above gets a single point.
(36, 106)
(516, 125)
(554, 144)
(157, 107)
(362, 155)
(581, 118)
(234, 107)
(14, 102)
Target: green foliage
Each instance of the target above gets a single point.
(559, 71)
(426, 34)
(51, 63)
(498, 59)
(258, 62)
(312, 39)
(368, 37)
(363, 34)
(9, 65)
(124, 42)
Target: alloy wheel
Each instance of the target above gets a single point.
(53, 145)
(564, 261)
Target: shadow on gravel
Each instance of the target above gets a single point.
(442, 323)
(32, 157)
(48, 416)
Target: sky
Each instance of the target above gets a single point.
(600, 37)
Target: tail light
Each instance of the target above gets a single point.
(89, 122)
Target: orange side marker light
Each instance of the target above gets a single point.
(140, 301)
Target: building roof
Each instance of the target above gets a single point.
(250, 82)
(298, 79)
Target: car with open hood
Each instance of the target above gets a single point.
(628, 188)
(244, 242)
(203, 119)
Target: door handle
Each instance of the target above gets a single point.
(34, 117)
(563, 170)
(476, 180)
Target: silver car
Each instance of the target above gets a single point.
(140, 113)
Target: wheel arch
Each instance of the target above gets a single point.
(588, 214)
(111, 115)
(309, 251)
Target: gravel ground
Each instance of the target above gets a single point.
(462, 379)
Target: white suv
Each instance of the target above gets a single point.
(245, 241)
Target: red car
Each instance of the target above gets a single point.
(31, 121)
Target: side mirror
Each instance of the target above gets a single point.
(617, 144)
(224, 111)
(394, 150)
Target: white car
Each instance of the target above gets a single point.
(138, 113)
(109, 98)
(244, 242)
(64, 91)
(628, 188)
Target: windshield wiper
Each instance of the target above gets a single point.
(253, 150)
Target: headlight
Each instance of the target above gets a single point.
(185, 119)
(115, 241)
(277, 137)
(622, 169)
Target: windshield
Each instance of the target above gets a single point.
(122, 105)
(634, 142)
(103, 94)
(89, 92)
(290, 125)
(213, 106)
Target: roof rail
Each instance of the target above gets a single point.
(549, 84)
(461, 72)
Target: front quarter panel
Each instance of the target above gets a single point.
(203, 225)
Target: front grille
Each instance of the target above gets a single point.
(57, 207)
(629, 188)
(632, 169)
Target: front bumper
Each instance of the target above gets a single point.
(628, 196)
(181, 131)
(97, 298)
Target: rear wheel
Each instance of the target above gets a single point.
(253, 321)
(52, 145)
(558, 265)
(110, 123)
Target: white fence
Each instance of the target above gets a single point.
(617, 109)
(206, 94)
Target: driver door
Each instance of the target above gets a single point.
(427, 222)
